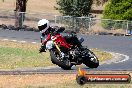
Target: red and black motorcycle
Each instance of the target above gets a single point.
(66, 51)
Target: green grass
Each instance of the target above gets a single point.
(102, 55)
(11, 58)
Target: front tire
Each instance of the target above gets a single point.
(61, 64)
(91, 61)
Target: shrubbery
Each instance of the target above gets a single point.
(117, 10)
(76, 8)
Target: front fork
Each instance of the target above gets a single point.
(61, 53)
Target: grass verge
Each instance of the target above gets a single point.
(19, 55)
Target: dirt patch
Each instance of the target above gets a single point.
(15, 81)
(32, 6)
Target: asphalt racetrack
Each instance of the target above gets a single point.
(117, 44)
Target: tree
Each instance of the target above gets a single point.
(20, 12)
(118, 9)
(77, 7)
(74, 7)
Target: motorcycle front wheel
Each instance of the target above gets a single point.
(91, 61)
(66, 65)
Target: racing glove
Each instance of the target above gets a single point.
(42, 49)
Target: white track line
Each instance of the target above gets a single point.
(34, 42)
(22, 41)
(14, 40)
(19, 41)
(117, 58)
(5, 39)
(125, 59)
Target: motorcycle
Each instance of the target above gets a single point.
(66, 51)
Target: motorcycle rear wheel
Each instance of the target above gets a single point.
(56, 61)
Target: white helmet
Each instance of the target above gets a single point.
(43, 25)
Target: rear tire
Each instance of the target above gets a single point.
(58, 62)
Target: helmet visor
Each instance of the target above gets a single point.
(42, 27)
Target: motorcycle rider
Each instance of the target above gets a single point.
(45, 30)
(46, 33)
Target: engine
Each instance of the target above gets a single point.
(75, 55)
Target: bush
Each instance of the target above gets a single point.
(76, 8)
(118, 10)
